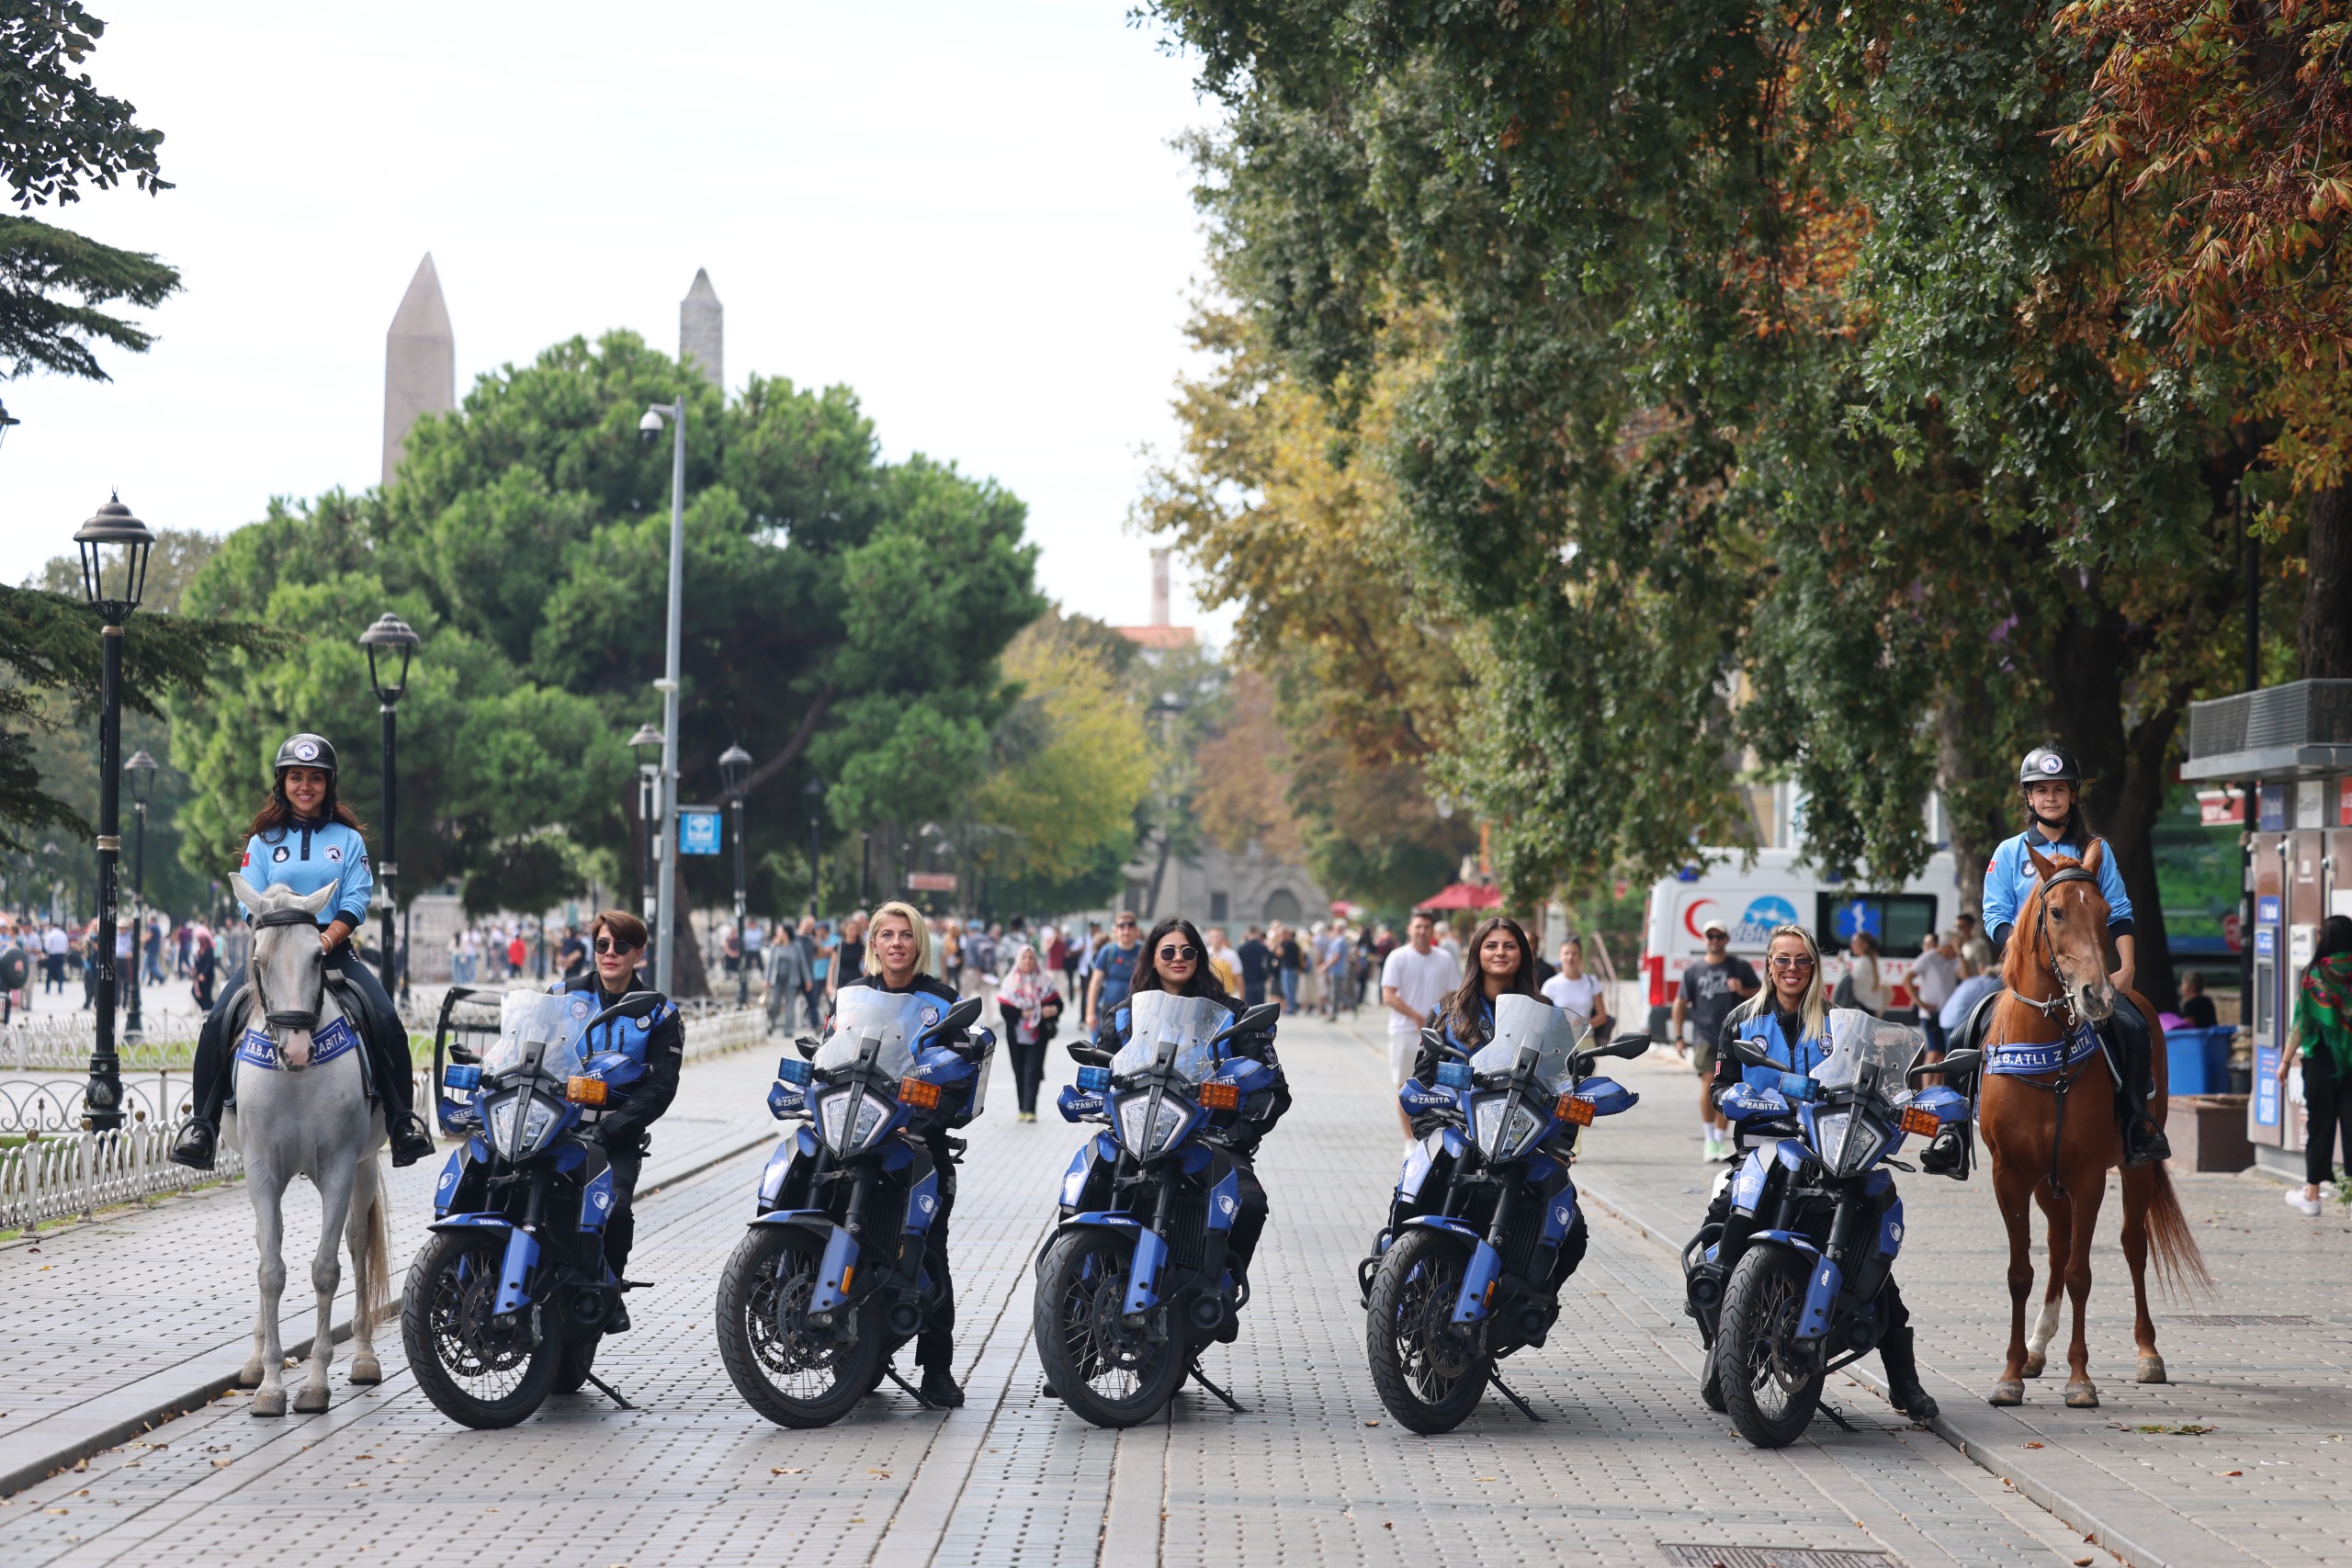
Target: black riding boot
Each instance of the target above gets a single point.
(1947, 1152)
(1904, 1389)
(387, 1041)
(199, 1141)
(2143, 1142)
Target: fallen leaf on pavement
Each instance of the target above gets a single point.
(2033, 1445)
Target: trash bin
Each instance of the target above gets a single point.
(2197, 1061)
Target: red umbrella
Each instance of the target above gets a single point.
(1464, 896)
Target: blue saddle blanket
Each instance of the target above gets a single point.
(2017, 1056)
(338, 1037)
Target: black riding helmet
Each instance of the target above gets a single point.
(2048, 764)
(303, 750)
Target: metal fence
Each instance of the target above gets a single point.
(44, 1042)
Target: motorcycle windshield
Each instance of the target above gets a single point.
(1859, 1042)
(1531, 1031)
(1182, 1026)
(548, 1027)
(892, 1021)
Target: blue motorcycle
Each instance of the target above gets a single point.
(509, 1296)
(1484, 1230)
(829, 1280)
(1129, 1294)
(1788, 1289)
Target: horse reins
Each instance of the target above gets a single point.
(287, 1019)
(2046, 950)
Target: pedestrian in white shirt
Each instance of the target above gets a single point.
(1413, 983)
(1934, 975)
(1577, 991)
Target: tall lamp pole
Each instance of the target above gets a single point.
(648, 429)
(114, 546)
(735, 773)
(647, 741)
(813, 792)
(141, 769)
(390, 632)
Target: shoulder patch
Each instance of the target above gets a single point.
(280, 855)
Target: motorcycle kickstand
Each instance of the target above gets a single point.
(608, 1390)
(1835, 1414)
(1230, 1403)
(890, 1371)
(1504, 1389)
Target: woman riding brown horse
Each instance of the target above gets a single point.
(2050, 1115)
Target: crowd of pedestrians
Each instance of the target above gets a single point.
(59, 955)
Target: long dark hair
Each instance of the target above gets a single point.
(2334, 937)
(276, 813)
(1203, 982)
(1467, 1005)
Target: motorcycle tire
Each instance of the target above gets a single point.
(1106, 1371)
(467, 1374)
(1429, 1377)
(789, 1373)
(579, 1359)
(1772, 1385)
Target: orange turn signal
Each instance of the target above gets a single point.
(584, 1091)
(1573, 1112)
(1220, 1097)
(921, 1095)
(1920, 1120)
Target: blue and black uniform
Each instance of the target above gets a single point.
(2009, 879)
(649, 1029)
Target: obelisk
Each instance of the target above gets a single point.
(420, 361)
(702, 330)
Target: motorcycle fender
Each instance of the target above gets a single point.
(1478, 1282)
(596, 1202)
(468, 1221)
(1143, 1273)
(445, 1191)
(1445, 1223)
(521, 1252)
(835, 1273)
(1797, 1239)
(1820, 1299)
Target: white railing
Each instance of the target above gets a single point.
(62, 1042)
(716, 1031)
(54, 1176)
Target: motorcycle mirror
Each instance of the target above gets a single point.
(1627, 1046)
(959, 1017)
(1088, 1053)
(1255, 1020)
(1750, 1051)
(807, 1046)
(1958, 1063)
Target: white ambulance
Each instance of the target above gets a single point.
(1750, 899)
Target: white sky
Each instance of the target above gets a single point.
(971, 214)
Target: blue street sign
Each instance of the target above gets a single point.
(2266, 941)
(2266, 1086)
(699, 831)
(2265, 908)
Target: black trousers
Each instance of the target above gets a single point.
(382, 1033)
(1028, 1071)
(936, 1345)
(1250, 1223)
(620, 1231)
(2331, 1118)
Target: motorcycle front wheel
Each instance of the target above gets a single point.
(475, 1370)
(1771, 1380)
(790, 1371)
(1429, 1377)
(1110, 1371)
(579, 1359)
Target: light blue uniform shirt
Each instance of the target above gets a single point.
(2009, 878)
(307, 858)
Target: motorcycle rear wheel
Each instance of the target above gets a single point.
(1430, 1378)
(1771, 1383)
(473, 1374)
(1109, 1371)
(793, 1373)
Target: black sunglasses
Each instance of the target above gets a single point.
(1175, 954)
(606, 944)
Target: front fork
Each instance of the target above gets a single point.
(1476, 1301)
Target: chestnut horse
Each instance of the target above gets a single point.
(2053, 1135)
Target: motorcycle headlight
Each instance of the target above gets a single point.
(1143, 1141)
(1504, 1130)
(539, 1117)
(1839, 1154)
(846, 1134)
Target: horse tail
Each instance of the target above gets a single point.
(2180, 1264)
(373, 1295)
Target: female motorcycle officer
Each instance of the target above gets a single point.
(303, 837)
(899, 959)
(1790, 1017)
(650, 1022)
(2052, 785)
(1504, 963)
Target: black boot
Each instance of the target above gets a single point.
(1903, 1387)
(2143, 1142)
(1947, 1152)
(195, 1146)
(410, 1140)
(940, 1388)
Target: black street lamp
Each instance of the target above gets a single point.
(735, 774)
(7, 423)
(141, 769)
(648, 743)
(813, 792)
(114, 546)
(389, 633)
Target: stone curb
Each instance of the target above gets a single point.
(1980, 1434)
(105, 1420)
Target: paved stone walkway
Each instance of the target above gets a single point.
(1315, 1472)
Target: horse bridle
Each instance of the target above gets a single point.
(289, 1018)
(2046, 949)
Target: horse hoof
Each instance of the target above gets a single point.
(2008, 1391)
(2033, 1365)
(366, 1370)
(249, 1375)
(270, 1402)
(2082, 1397)
(311, 1400)
(2151, 1369)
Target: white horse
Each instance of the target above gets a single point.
(302, 1110)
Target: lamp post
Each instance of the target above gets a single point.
(648, 429)
(7, 423)
(813, 792)
(649, 777)
(735, 772)
(114, 546)
(390, 632)
(141, 769)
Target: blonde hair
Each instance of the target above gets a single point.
(915, 922)
(1816, 1007)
